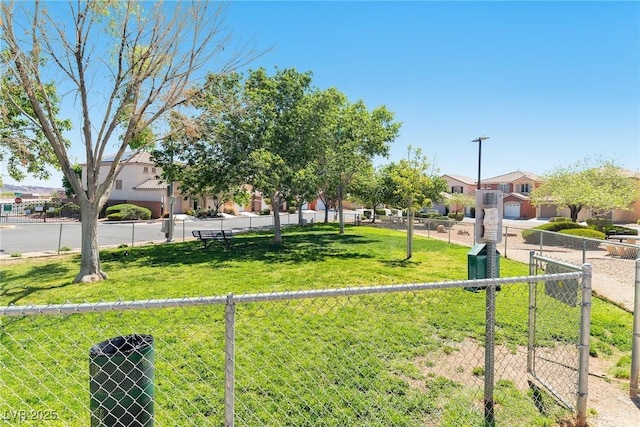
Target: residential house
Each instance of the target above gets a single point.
(516, 187)
(458, 184)
(138, 184)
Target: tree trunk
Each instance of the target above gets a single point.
(326, 211)
(340, 213)
(574, 209)
(300, 217)
(275, 206)
(90, 270)
(409, 232)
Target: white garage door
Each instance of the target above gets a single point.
(512, 210)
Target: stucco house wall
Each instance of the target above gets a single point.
(137, 183)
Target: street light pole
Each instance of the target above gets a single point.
(479, 141)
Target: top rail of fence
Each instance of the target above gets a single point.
(66, 309)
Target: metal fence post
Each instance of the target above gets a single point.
(59, 238)
(635, 346)
(584, 250)
(532, 315)
(229, 360)
(585, 330)
(506, 234)
(489, 362)
(133, 234)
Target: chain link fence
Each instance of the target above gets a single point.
(616, 276)
(401, 355)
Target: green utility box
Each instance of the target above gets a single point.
(477, 262)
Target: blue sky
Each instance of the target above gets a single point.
(550, 83)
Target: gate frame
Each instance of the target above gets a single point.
(585, 331)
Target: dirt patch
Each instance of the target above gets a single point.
(464, 362)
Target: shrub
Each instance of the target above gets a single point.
(232, 211)
(118, 208)
(585, 232)
(266, 211)
(53, 213)
(116, 216)
(618, 229)
(380, 212)
(292, 209)
(456, 216)
(559, 219)
(433, 223)
(608, 228)
(70, 209)
(133, 212)
(190, 212)
(598, 223)
(532, 236)
(366, 214)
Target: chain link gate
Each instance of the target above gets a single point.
(558, 351)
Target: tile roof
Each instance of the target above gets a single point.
(131, 156)
(152, 184)
(512, 176)
(462, 179)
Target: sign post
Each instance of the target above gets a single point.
(489, 211)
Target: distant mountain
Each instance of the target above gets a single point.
(29, 189)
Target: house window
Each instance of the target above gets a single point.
(525, 188)
(118, 184)
(504, 188)
(153, 170)
(456, 189)
(145, 169)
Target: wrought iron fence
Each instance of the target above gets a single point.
(381, 355)
(37, 211)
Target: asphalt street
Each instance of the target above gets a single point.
(50, 237)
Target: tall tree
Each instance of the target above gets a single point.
(415, 184)
(600, 185)
(356, 136)
(199, 153)
(279, 134)
(371, 188)
(458, 201)
(126, 63)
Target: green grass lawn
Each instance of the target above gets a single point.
(335, 361)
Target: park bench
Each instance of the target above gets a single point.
(206, 236)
